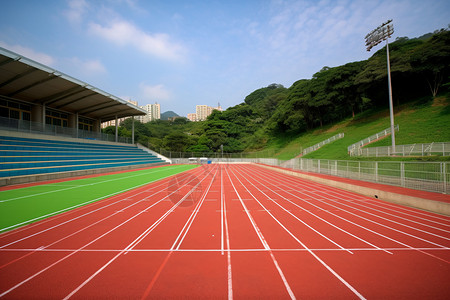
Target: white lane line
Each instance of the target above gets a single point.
(383, 225)
(83, 185)
(287, 179)
(161, 219)
(75, 206)
(333, 225)
(290, 213)
(230, 250)
(256, 228)
(179, 240)
(230, 277)
(349, 286)
(73, 219)
(386, 205)
(263, 241)
(86, 227)
(76, 251)
(222, 212)
(390, 220)
(323, 189)
(398, 211)
(136, 241)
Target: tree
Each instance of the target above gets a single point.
(198, 149)
(432, 59)
(176, 141)
(291, 112)
(342, 83)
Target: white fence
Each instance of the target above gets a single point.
(352, 149)
(426, 176)
(405, 150)
(327, 141)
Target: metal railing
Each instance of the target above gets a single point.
(406, 150)
(39, 128)
(356, 146)
(318, 145)
(217, 155)
(426, 176)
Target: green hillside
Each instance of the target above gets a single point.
(276, 121)
(422, 121)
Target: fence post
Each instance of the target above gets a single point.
(359, 170)
(402, 173)
(376, 171)
(444, 176)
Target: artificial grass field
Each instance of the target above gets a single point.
(30, 204)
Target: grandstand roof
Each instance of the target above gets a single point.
(24, 79)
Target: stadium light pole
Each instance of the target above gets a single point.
(376, 36)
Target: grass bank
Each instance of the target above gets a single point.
(422, 121)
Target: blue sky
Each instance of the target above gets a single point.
(183, 53)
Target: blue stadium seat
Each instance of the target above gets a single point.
(25, 156)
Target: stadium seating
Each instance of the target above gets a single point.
(28, 156)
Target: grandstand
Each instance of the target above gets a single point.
(50, 125)
(28, 159)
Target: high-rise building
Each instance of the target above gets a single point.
(203, 111)
(192, 117)
(113, 122)
(153, 112)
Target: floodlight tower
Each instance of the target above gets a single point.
(376, 36)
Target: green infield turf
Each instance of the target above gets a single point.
(30, 204)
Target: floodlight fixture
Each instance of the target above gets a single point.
(376, 36)
(379, 34)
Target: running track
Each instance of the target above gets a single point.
(230, 231)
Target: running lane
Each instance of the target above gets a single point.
(231, 231)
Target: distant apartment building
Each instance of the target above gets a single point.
(192, 117)
(203, 111)
(113, 122)
(153, 113)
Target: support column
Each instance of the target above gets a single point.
(117, 130)
(132, 130)
(43, 118)
(76, 124)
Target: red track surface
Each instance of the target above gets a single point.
(230, 231)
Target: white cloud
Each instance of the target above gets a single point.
(77, 8)
(124, 33)
(153, 92)
(42, 58)
(88, 69)
(93, 66)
